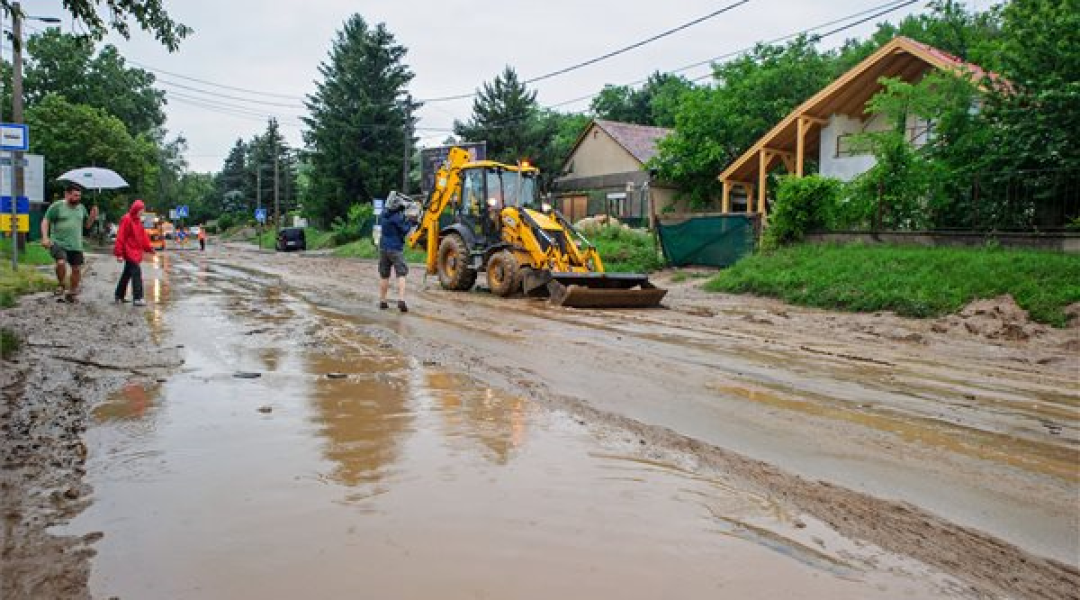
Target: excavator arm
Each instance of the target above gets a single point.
(447, 181)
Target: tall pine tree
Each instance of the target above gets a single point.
(361, 121)
(505, 115)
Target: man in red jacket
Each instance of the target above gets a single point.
(131, 242)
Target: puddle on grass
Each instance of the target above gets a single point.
(392, 479)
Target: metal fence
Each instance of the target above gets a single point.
(1019, 201)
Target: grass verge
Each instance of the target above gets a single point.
(910, 281)
(24, 281)
(9, 343)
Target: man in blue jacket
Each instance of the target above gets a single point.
(394, 228)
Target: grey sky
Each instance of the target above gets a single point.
(275, 47)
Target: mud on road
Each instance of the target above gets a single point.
(952, 441)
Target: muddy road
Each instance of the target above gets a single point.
(263, 430)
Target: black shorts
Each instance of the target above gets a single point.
(72, 257)
(388, 258)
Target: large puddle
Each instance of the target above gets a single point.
(297, 455)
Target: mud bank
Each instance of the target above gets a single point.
(72, 357)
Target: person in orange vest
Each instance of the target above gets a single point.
(202, 238)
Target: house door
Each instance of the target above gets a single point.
(575, 207)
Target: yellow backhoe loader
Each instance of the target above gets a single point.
(485, 216)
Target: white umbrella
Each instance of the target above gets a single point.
(95, 178)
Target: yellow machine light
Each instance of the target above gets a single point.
(525, 164)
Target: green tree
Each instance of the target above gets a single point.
(262, 152)
(361, 120)
(66, 65)
(715, 124)
(74, 135)
(654, 104)
(149, 15)
(506, 116)
(231, 189)
(1035, 111)
(973, 36)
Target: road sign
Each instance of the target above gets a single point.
(22, 221)
(14, 136)
(172, 214)
(260, 215)
(6, 161)
(181, 212)
(22, 206)
(377, 205)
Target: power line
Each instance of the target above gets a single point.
(605, 56)
(238, 98)
(882, 10)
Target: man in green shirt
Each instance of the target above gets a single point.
(62, 233)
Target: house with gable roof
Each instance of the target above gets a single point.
(605, 173)
(822, 127)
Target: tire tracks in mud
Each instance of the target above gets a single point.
(990, 566)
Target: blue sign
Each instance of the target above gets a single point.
(377, 204)
(260, 215)
(181, 212)
(14, 136)
(22, 205)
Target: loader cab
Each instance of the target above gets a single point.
(486, 191)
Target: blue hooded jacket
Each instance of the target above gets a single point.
(394, 230)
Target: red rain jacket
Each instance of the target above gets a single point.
(131, 239)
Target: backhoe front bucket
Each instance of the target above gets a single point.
(603, 290)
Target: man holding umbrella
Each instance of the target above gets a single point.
(62, 233)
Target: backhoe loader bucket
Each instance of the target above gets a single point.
(603, 290)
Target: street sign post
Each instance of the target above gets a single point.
(14, 138)
(260, 216)
(182, 212)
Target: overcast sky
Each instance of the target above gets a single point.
(275, 47)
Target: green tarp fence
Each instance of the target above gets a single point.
(708, 241)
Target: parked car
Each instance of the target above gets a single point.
(291, 238)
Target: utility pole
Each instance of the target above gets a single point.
(277, 203)
(18, 242)
(405, 163)
(258, 200)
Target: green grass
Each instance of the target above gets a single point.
(365, 248)
(9, 343)
(626, 250)
(911, 281)
(26, 280)
(33, 254)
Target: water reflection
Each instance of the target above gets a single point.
(130, 403)
(364, 417)
(469, 411)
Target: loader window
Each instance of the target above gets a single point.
(473, 191)
(513, 189)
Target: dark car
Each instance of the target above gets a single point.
(291, 238)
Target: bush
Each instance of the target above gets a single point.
(354, 226)
(625, 250)
(226, 222)
(802, 204)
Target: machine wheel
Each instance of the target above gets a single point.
(504, 274)
(453, 264)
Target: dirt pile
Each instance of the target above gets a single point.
(998, 318)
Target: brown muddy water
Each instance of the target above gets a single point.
(297, 455)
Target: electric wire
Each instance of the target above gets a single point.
(603, 57)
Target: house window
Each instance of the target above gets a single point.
(846, 146)
(616, 204)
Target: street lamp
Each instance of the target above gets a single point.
(17, 118)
